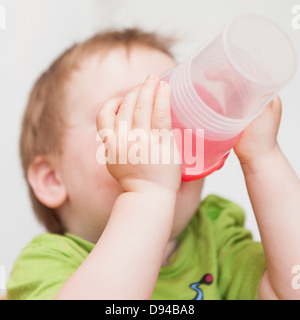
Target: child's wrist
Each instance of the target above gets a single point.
(151, 196)
(262, 162)
(146, 187)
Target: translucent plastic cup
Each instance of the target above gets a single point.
(224, 85)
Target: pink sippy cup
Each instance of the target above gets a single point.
(223, 86)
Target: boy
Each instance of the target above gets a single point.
(125, 231)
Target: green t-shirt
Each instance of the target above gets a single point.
(216, 259)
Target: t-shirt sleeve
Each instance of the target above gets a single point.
(42, 268)
(241, 260)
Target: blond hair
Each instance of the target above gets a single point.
(43, 121)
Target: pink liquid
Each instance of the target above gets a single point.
(214, 152)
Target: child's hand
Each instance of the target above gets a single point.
(143, 109)
(259, 139)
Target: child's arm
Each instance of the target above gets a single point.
(126, 260)
(274, 191)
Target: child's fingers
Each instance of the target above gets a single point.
(144, 105)
(276, 109)
(127, 106)
(106, 116)
(161, 116)
(277, 104)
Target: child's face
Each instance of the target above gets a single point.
(91, 189)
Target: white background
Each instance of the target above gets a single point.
(38, 30)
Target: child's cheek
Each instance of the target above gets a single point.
(101, 176)
(100, 153)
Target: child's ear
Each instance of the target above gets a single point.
(46, 182)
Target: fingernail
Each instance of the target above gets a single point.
(162, 83)
(151, 76)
